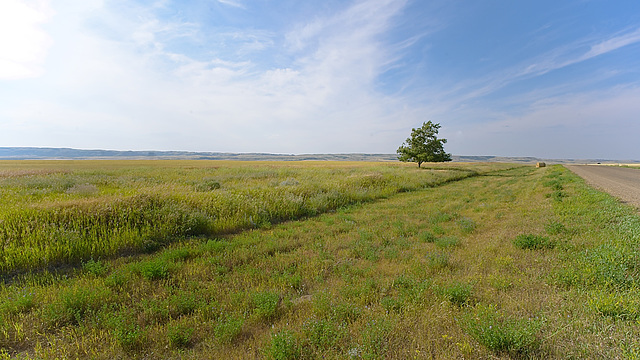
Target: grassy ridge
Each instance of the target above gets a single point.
(67, 212)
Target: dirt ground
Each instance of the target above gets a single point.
(621, 182)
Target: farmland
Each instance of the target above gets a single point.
(215, 259)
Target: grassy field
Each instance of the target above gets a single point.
(197, 259)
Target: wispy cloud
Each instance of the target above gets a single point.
(555, 59)
(146, 94)
(234, 3)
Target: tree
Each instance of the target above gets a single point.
(424, 146)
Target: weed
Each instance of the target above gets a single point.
(128, 334)
(117, 279)
(554, 228)
(283, 346)
(17, 303)
(207, 185)
(530, 241)
(392, 304)
(375, 339)
(322, 334)
(265, 305)
(180, 334)
(624, 306)
(183, 303)
(500, 333)
(458, 293)
(97, 268)
(466, 225)
(228, 329)
(438, 260)
(75, 303)
(447, 241)
(427, 236)
(154, 269)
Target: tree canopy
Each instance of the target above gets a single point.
(424, 146)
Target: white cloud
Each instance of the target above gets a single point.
(23, 44)
(127, 89)
(233, 3)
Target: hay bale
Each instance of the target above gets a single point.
(540, 164)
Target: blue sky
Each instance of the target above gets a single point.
(554, 79)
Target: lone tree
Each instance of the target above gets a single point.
(424, 146)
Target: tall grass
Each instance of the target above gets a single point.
(52, 216)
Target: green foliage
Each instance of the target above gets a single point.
(427, 236)
(322, 334)
(97, 268)
(530, 241)
(228, 328)
(21, 302)
(75, 303)
(466, 225)
(180, 334)
(447, 241)
(128, 334)
(501, 333)
(555, 228)
(621, 305)
(141, 209)
(156, 269)
(375, 339)
(283, 346)
(424, 146)
(458, 293)
(266, 304)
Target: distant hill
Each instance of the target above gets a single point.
(37, 153)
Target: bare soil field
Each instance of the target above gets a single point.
(621, 182)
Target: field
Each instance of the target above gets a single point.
(336, 260)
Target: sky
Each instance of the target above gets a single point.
(543, 78)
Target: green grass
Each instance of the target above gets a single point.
(89, 211)
(430, 272)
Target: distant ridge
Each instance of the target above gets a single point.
(44, 153)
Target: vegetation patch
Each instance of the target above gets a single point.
(534, 242)
(501, 333)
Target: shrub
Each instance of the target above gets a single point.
(530, 241)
